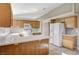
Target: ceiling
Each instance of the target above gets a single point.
(32, 10)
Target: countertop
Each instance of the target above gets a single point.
(24, 39)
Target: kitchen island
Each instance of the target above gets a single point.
(30, 45)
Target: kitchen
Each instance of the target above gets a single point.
(26, 31)
(20, 37)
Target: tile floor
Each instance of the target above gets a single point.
(54, 50)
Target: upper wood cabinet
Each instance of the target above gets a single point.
(35, 24)
(5, 15)
(71, 22)
(57, 20)
(18, 23)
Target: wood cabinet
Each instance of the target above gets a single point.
(27, 48)
(35, 24)
(58, 20)
(38, 33)
(70, 42)
(5, 15)
(71, 22)
(18, 24)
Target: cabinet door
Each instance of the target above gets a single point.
(71, 22)
(42, 49)
(27, 48)
(36, 24)
(9, 50)
(18, 23)
(5, 15)
(69, 42)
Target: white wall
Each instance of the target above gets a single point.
(45, 28)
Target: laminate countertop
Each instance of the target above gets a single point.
(15, 39)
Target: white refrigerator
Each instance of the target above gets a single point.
(56, 32)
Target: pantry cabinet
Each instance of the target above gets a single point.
(5, 15)
(71, 22)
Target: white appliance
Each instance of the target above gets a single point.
(56, 32)
(27, 29)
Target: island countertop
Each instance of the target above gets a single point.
(23, 39)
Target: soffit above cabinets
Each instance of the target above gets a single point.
(32, 10)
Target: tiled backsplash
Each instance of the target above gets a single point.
(16, 30)
(36, 30)
(5, 31)
(71, 31)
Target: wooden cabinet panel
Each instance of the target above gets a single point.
(5, 15)
(44, 41)
(27, 48)
(35, 24)
(9, 49)
(71, 22)
(38, 33)
(58, 20)
(41, 49)
(70, 42)
(18, 24)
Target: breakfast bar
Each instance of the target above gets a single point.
(29, 45)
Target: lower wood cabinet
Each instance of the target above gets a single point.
(27, 48)
(38, 33)
(70, 42)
